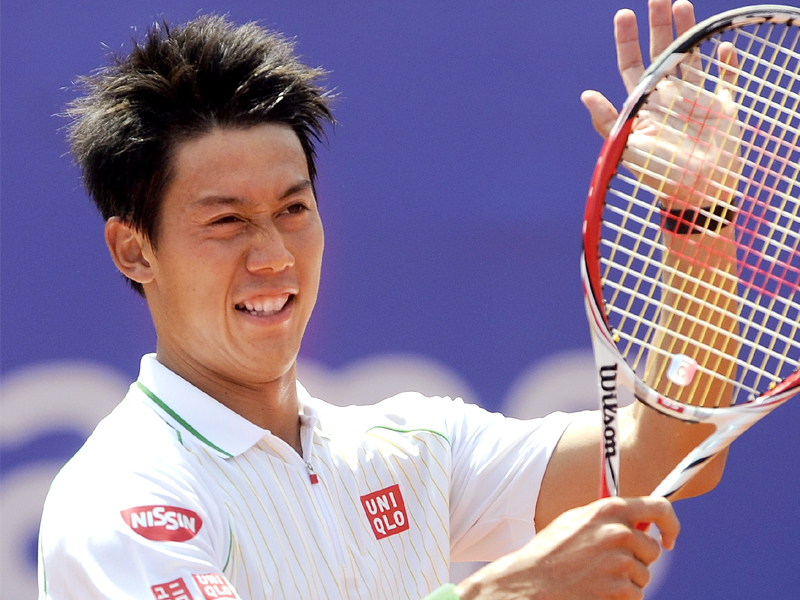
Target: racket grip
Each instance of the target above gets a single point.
(643, 526)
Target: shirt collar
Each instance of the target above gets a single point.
(195, 413)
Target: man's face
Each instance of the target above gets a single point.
(236, 264)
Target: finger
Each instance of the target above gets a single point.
(729, 64)
(645, 548)
(637, 544)
(667, 522)
(601, 110)
(629, 53)
(683, 13)
(658, 511)
(660, 26)
(639, 574)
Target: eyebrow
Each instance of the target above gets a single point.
(213, 200)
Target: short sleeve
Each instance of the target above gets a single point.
(147, 534)
(497, 468)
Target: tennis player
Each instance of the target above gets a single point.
(218, 476)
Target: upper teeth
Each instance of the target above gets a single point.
(267, 305)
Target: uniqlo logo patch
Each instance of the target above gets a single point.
(386, 512)
(172, 590)
(214, 586)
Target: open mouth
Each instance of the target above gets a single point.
(265, 306)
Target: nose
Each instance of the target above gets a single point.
(268, 251)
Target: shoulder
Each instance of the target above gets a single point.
(132, 508)
(133, 460)
(405, 412)
(133, 438)
(452, 418)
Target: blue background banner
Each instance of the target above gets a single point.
(452, 192)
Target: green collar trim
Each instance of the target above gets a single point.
(180, 420)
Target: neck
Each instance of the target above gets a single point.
(271, 405)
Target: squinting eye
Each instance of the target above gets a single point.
(226, 219)
(296, 208)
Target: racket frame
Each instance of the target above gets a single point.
(612, 369)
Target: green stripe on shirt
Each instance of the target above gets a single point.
(182, 423)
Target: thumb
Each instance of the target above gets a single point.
(601, 110)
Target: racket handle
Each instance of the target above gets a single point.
(643, 526)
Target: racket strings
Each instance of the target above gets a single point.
(699, 294)
(702, 294)
(769, 351)
(759, 289)
(787, 340)
(723, 83)
(639, 240)
(723, 311)
(747, 164)
(758, 185)
(759, 178)
(700, 368)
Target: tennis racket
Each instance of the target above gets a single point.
(690, 264)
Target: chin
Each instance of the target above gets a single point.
(270, 366)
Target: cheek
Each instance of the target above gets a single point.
(308, 263)
(316, 249)
(197, 274)
(308, 246)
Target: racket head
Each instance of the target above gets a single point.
(657, 224)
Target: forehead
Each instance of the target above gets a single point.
(239, 162)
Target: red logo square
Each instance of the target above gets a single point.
(172, 590)
(215, 587)
(386, 512)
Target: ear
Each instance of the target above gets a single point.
(128, 247)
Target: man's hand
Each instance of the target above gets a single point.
(593, 552)
(629, 54)
(691, 130)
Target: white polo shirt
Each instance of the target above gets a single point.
(176, 497)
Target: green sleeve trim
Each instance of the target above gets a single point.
(439, 433)
(230, 547)
(177, 417)
(446, 592)
(41, 562)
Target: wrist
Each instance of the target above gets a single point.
(706, 219)
(468, 589)
(446, 592)
(487, 582)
